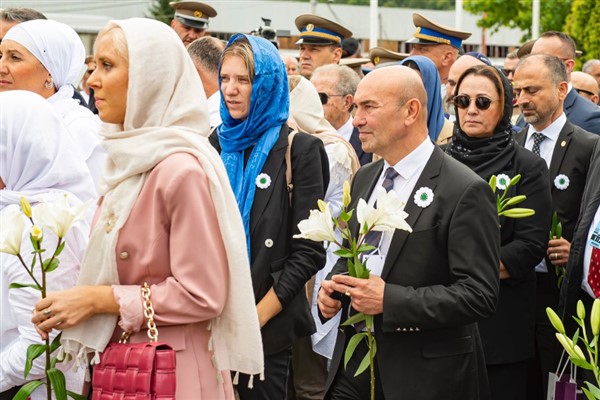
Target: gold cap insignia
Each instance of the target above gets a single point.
(197, 14)
(310, 27)
(376, 60)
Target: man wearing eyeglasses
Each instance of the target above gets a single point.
(585, 85)
(579, 111)
(336, 85)
(540, 84)
(320, 42)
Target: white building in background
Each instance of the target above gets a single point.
(88, 16)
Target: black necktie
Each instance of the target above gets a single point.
(537, 139)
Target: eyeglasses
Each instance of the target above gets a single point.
(507, 72)
(583, 91)
(464, 101)
(325, 97)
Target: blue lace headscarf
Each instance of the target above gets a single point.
(431, 80)
(269, 108)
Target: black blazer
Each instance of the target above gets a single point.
(278, 260)
(582, 112)
(363, 158)
(571, 157)
(440, 280)
(508, 335)
(571, 290)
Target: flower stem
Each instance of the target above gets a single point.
(28, 271)
(370, 340)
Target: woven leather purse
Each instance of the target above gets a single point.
(136, 371)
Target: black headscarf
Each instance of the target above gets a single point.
(486, 156)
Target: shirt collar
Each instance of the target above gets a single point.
(551, 131)
(414, 161)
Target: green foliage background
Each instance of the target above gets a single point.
(160, 10)
(582, 26)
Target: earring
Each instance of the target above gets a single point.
(49, 85)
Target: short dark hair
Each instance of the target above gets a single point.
(512, 55)
(206, 51)
(556, 68)
(568, 43)
(20, 14)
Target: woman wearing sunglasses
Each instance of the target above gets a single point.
(483, 141)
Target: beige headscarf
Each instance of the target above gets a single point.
(166, 113)
(307, 115)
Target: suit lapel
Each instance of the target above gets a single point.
(521, 137)
(569, 100)
(564, 137)
(355, 142)
(427, 179)
(272, 167)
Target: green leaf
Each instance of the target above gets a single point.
(57, 381)
(76, 396)
(358, 317)
(16, 285)
(351, 270)
(50, 266)
(581, 363)
(59, 249)
(594, 390)
(352, 343)
(558, 231)
(344, 253)
(369, 322)
(55, 343)
(33, 352)
(366, 247)
(27, 389)
(588, 394)
(364, 364)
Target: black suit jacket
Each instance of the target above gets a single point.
(508, 335)
(440, 280)
(571, 290)
(582, 112)
(571, 157)
(278, 260)
(363, 158)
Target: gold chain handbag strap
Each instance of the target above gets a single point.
(148, 313)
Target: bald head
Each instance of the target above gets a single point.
(461, 65)
(391, 113)
(585, 85)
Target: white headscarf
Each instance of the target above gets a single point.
(166, 113)
(56, 45)
(38, 159)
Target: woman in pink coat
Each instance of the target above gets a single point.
(167, 217)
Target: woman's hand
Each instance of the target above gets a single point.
(62, 310)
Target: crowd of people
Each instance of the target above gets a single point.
(202, 167)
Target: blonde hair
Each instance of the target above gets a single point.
(241, 48)
(115, 32)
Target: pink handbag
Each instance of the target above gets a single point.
(136, 371)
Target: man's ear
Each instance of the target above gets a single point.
(337, 55)
(348, 102)
(413, 111)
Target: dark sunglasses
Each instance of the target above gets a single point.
(507, 72)
(325, 97)
(482, 103)
(583, 91)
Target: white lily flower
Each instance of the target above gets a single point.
(58, 216)
(12, 229)
(318, 227)
(388, 215)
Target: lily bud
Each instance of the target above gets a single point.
(346, 197)
(580, 310)
(595, 317)
(555, 320)
(36, 232)
(25, 207)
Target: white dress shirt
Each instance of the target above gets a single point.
(546, 151)
(347, 129)
(214, 108)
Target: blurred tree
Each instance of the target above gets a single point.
(161, 11)
(425, 4)
(517, 14)
(582, 26)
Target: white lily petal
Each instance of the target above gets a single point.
(12, 229)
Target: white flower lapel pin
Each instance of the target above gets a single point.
(423, 197)
(502, 181)
(263, 181)
(561, 182)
